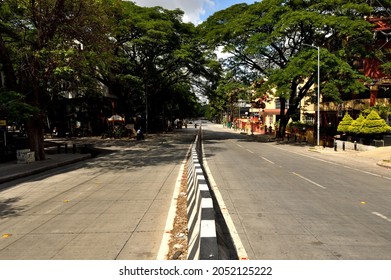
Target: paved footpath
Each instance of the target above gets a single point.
(114, 206)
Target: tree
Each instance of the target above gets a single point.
(343, 126)
(356, 125)
(382, 10)
(273, 39)
(14, 108)
(226, 95)
(154, 58)
(38, 49)
(147, 57)
(384, 110)
(374, 125)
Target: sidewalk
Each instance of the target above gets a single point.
(11, 170)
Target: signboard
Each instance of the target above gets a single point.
(3, 122)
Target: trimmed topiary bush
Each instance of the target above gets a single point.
(343, 126)
(374, 124)
(356, 125)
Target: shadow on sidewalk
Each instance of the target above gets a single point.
(7, 208)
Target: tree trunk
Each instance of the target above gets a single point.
(35, 133)
(35, 124)
(10, 79)
(283, 123)
(280, 133)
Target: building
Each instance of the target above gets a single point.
(379, 90)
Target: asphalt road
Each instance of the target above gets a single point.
(287, 202)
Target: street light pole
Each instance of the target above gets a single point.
(318, 120)
(318, 105)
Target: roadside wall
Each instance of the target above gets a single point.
(353, 146)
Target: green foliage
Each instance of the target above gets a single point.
(386, 68)
(14, 108)
(382, 109)
(143, 55)
(272, 39)
(344, 125)
(373, 124)
(154, 59)
(356, 125)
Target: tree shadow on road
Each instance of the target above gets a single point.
(8, 209)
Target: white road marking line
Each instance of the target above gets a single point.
(249, 151)
(268, 160)
(381, 216)
(239, 146)
(308, 180)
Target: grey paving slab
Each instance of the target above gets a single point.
(129, 206)
(93, 246)
(89, 207)
(140, 246)
(110, 207)
(36, 247)
(51, 207)
(67, 223)
(114, 223)
(22, 225)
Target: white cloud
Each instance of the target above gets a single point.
(193, 9)
(221, 54)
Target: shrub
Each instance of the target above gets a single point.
(356, 125)
(343, 126)
(374, 124)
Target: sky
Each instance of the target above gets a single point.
(196, 11)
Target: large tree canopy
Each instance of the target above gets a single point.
(272, 40)
(155, 57)
(52, 49)
(39, 48)
(153, 63)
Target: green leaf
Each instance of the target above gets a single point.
(373, 124)
(356, 125)
(344, 125)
